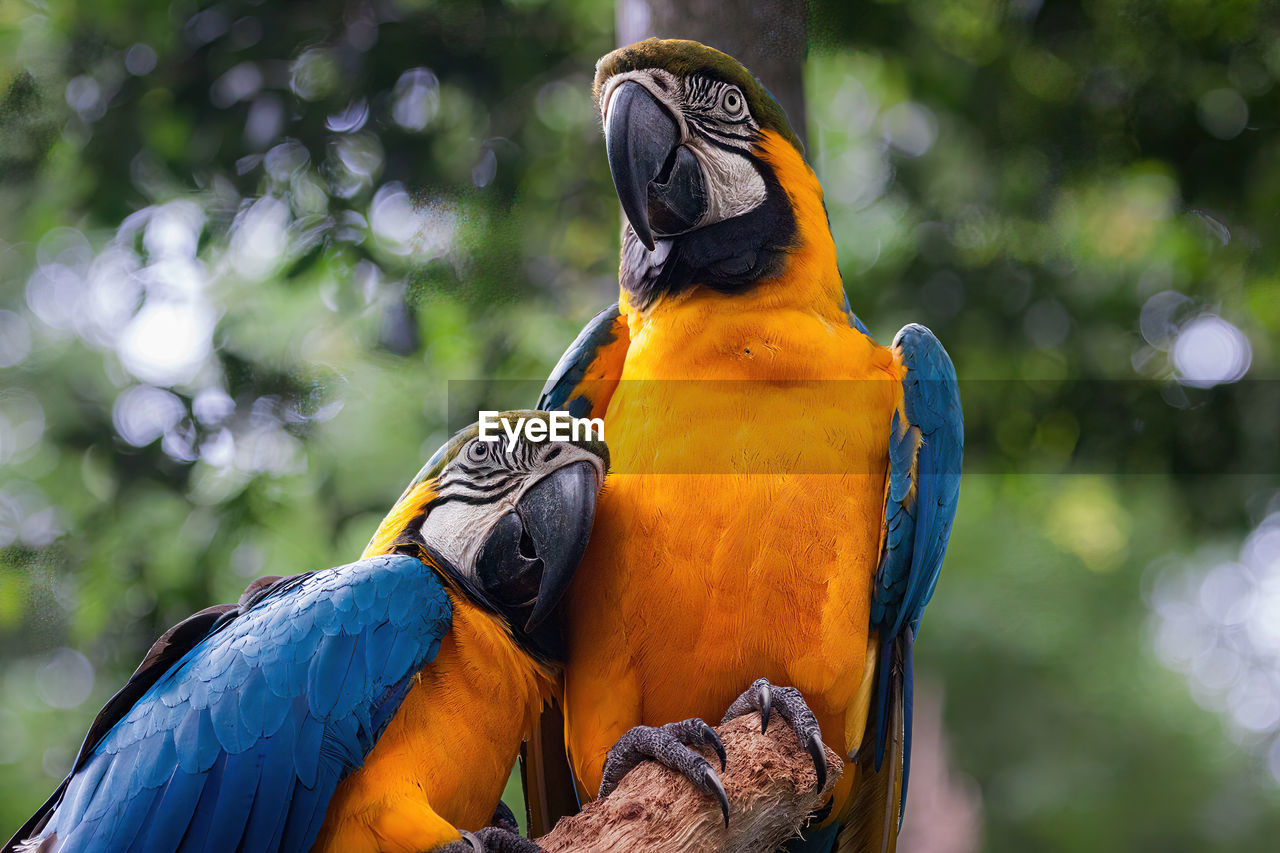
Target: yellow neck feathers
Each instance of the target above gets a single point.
(811, 276)
(810, 279)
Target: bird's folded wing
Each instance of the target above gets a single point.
(583, 381)
(240, 724)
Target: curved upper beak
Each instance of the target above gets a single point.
(658, 180)
(529, 557)
(558, 512)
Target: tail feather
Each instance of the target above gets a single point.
(884, 696)
(874, 817)
(907, 643)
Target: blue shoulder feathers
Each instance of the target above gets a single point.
(563, 389)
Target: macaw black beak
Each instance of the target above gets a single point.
(529, 557)
(658, 180)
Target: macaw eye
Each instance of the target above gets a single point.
(733, 103)
(478, 451)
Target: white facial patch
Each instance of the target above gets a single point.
(733, 183)
(457, 530)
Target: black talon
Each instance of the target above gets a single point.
(718, 787)
(766, 705)
(713, 740)
(819, 754)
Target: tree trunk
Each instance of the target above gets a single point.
(771, 785)
(767, 36)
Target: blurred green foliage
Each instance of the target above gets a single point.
(244, 246)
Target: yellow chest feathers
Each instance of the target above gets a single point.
(446, 755)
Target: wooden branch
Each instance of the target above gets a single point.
(769, 778)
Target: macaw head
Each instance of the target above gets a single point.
(506, 522)
(704, 164)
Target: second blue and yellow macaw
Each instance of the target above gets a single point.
(784, 486)
(376, 707)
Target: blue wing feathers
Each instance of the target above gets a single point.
(385, 708)
(240, 742)
(275, 713)
(127, 820)
(325, 617)
(270, 807)
(304, 645)
(364, 596)
(908, 704)
(173, 812)
(378, 643)
(202, 817)
(115, 779)
(343, 601)
(925, 456)
(343, 749)
(402, 651)
(75, 803)
(241, 777)
(306, 813)
(252, 711)
(205, 749)
(155, 767)
(328, 677)
(398, 609)
(224, 717)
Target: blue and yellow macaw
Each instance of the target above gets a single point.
(377, 706)
(784, 486)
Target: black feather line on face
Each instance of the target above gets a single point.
(476, 498)
(729, 256)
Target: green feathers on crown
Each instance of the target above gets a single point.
(684, 58)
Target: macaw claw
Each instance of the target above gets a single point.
(763, 697)
(491, 839)
(819, 754)
(766, 703)
(669, 745)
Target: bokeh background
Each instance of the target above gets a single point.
(245, 247)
